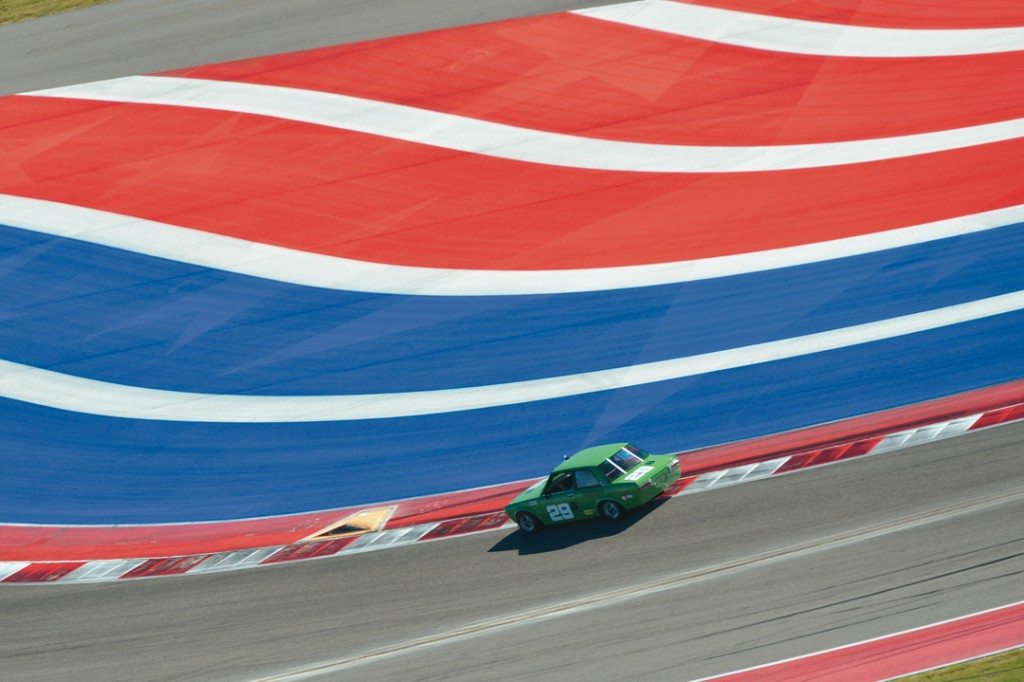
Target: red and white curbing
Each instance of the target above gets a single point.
(95, 571)
(889, 657)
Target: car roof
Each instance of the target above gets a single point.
(590, 457)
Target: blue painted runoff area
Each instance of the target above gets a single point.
(61, 467)
(125, 318)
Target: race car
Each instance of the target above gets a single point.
(606, 480)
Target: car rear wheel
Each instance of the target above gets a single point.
(528, 523)
(612, 511)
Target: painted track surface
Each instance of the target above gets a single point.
(302, 612)
(160, 363)
(244, 625)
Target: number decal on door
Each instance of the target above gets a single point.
(560, 512)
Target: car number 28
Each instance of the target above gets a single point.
(560, 512)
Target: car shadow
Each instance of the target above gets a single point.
(554, 538)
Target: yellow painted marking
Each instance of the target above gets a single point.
(363, 521)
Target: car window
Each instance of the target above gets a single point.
(559, 482)
(585, 479)
(620, 463)
(636, 451)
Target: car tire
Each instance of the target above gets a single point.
(528, 523)
(613, 511)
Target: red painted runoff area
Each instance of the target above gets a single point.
(902, 653)
(923, 14)
(571, 74)
(280, 182)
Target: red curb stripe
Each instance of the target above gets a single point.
(309, 550)
(472, 524)
(43, 572)
(171, 566)
(999, 416)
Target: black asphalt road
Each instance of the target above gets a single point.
(699, 585)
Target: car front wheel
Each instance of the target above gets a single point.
(612, 511)
(528, 523)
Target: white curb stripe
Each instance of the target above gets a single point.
(782, 34)
(956, 427)
(499, 140)
(88, 396)
(227, 561)
(101, 571)
(390, 538)
(210, 250)
(9, 568)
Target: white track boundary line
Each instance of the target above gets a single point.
(476, 136)
(88, 396)
(292, 266)
(798, 36)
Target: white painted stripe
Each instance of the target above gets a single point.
(766, 468)
(89, 396)
(782, 34)
(923, 434)
(9, 568)
(101, 570)
(704, 481)
(959, 426)
(209, 250)
(892, 635)
(499, 140)
(227, 561)
(396, 537)
(893, 441)
(732, 475)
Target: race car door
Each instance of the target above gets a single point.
(560, 498)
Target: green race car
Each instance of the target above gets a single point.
(605, 480)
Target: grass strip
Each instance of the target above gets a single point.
(1004, 667)
(17, 10)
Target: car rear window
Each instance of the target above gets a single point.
(620, 463)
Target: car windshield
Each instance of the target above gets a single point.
(621, 462)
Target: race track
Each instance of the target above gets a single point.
(752, 574)
(861, 548)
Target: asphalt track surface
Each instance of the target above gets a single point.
(846, 552)
(129, 37)
(754, 573)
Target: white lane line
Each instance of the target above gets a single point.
(209, 250)
(476, 136)
(89, 396)
(781, 34)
